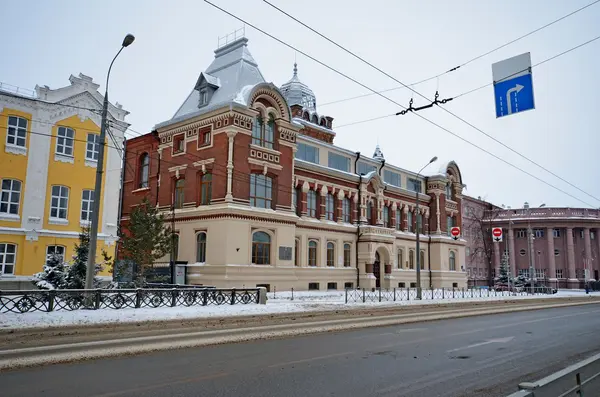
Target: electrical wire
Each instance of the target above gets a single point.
(441, 107)
(464, 63)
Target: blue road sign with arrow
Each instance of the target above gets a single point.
(513, 85)
(514, 95)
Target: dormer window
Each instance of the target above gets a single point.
(203, 98)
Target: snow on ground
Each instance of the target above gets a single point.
(279, 302)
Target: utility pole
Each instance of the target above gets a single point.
(91, 263)
(419, 295)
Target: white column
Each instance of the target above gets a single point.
(230, 136)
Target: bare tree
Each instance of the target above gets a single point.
(481, 217)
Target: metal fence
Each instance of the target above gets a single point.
(581, 379)
(53, 300)
(408, 294)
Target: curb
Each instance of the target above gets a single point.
(54, 354)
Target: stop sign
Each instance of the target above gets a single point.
(455, 231)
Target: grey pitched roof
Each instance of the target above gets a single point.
(233, 69)
(378, 155)
(296, 92)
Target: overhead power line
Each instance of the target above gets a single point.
(430, 100)
(464, 63)
(394, 102)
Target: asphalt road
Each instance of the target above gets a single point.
(477, 356)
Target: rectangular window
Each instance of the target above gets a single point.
(592, 235)
(179, 144)
(556, 233)
(311, 204)
(203, 97)
(64, 141)
(409, 218)
(521, 233)
(57, 250)
(338, 162)
(398, 223)
(59, 202)
(524, 272)
(540, 273)
(206, 189)
(414, 185)
(179, 193)
(17, 131)
(10, 196)
(260, 191)
(369, 213)
(330, 254)
(307, 153)
(329, 207)
(332, 286)
(87, 202)
(348, 285)
(411, 259)
(313, 286)
(386, 216)
(346, 210)
(8, 256)
(538, 233)
(559, 273)
(420, 223)
(392, 178)
(449, 224)
(92, 147)
(363, 168)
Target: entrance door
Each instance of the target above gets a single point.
(377, 271)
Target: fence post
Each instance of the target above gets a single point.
(233, 296)
(363, 295)
(452, 292)
(379, 294)
(97, 300)
(205, 297)
(443, 293)
(394, 294)
(407, 293)
(51, 296)
(173, 297)
(346, 295)
(274, 291)
(463, 290)
(292, 293)
(480, 293)
(138, 298)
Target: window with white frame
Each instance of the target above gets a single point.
(10, 196)
(59, 202)
(521, 233)
(312, 253)
(87, 202)
(64, 141)
(524, 272)
(538, 233)
(559, 273)
(17, 131)
(8, 256)
(57, 250)
(346, 210)
(261, 248)
(540, 273)
(92, 147)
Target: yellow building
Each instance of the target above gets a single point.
(48, 157)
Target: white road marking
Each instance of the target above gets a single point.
(498, 340)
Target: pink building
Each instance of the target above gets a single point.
(566, 243)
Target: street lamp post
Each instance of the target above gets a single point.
(418, 253)
(91, 263)
(531, 250)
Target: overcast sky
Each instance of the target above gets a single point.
(45, 42)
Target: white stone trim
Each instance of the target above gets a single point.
(265, 164)
(265, 149)
(9, 217)
(15, 149)
(63, 158)
(58, 221)
(91, 163)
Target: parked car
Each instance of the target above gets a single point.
(539, 288)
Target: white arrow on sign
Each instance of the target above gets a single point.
(516, 89)
(488, 342)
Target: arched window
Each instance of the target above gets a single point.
(420, 223)
(411, 259)
(312, 253)
(409, 220)
(449, 190)
(257, 127)
(269, 132)
(369, 212)
(314, 119)
(206, 189)
(386, 216)
(179, 193)
(330, 254)
(263, 133)
(400, 258)
(346, 210)
(201, 247)
(144, 170)
(261, 189)
(311, 204)
(347, 253)
(422, 260)
(305, 116)
(261, 248)
(452, 261)
(398, 219)
(329, 207)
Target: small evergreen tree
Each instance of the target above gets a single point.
(144, 240)
(503, 277)
(54, 274)
(76, 273)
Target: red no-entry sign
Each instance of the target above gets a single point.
(497, 234)
(455, 232)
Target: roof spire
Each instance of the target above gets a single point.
(295, 69)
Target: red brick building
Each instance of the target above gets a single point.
(261, 195)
